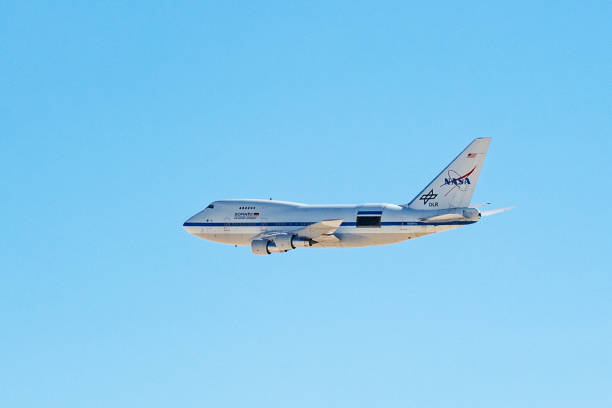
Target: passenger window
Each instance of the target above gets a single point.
(368, 221)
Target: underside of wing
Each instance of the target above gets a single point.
(322, 232)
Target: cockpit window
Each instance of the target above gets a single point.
(211, 206)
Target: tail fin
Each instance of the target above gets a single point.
(455, 185)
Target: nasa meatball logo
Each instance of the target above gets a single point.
(457, 181)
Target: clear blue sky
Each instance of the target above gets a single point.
(120, 120)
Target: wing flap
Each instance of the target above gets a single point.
(322, 231)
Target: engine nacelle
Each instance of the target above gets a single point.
(298, 242)
(279, 243)
(260, 247)
(264, 247)
(284, 242)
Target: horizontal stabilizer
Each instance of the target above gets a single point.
(465, 214)
(443, 217)
(491, 212)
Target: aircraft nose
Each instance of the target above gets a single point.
(189, 225)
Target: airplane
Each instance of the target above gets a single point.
(269, 226)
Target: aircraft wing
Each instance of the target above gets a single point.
(321, 231)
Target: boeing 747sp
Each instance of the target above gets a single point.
(277, 226)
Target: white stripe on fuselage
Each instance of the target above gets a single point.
(237, 222)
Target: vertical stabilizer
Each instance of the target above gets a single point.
(455, 185)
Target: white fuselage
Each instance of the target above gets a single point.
(238, 222)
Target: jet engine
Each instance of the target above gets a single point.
(279, 243)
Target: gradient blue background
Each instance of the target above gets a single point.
(121, 120)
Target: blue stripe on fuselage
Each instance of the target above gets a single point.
(304, 224)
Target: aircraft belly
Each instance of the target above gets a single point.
(350, 240)
(358, 237)
(235, 236)
(349, 237)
